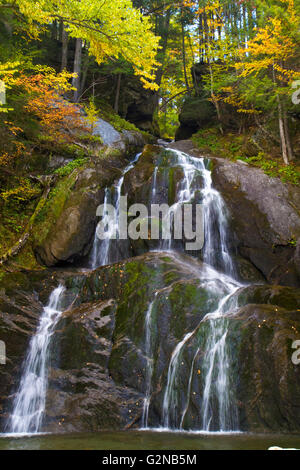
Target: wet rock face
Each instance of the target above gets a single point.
(265, 219)
(97, 378)
(82, 394)
(269, 383)
(157, 178)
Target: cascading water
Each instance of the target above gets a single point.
(170, 398)
(101, 253)
(100, 250)
(29, 403)
(218, 408)
(186, 192)
(216, 251)
(216, 367)
(218, 404)
(149, 359)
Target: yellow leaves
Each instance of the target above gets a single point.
(271, 43)
(253, 67)
(112, 28)
(269, 49)
(293, 17)
(92, 114)
(7, 72)
(235, 100)
(12, 128)
(24, 192)
(148, 84)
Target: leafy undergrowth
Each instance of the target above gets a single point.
(13, 221)
(240, 147)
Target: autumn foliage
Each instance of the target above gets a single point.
(42, 99)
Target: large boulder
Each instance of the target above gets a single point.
(197, 113)
(66, 225)
(137, 104)
(65, 228)
(127, 142)
(268, 391)
(265, 218)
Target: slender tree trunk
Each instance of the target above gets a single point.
(214, 99)
(184, 57)
(54, 30)
(200, 32)
(85, 67)
(282, 133)
(117, 96)
(77, 69)
(288, 138)
(64, 53)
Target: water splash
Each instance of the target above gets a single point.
(29, 403)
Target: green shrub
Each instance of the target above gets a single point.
(69, 167)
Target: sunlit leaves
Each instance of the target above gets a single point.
(111, 28)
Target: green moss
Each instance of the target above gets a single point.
(67, 169)
(53, 207)
(120, 124)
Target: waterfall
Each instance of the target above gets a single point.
(101, 253)
(206, 346)
(29, 403)
(216, 251)
(100, 249)
(216, 366)
(170, 398)
(186, 193)
(218, 402)
(149, 359)
(154, 189)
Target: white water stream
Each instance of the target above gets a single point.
(101, 254)
(29, 403)
(218, 402)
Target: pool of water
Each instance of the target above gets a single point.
(147, 440)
